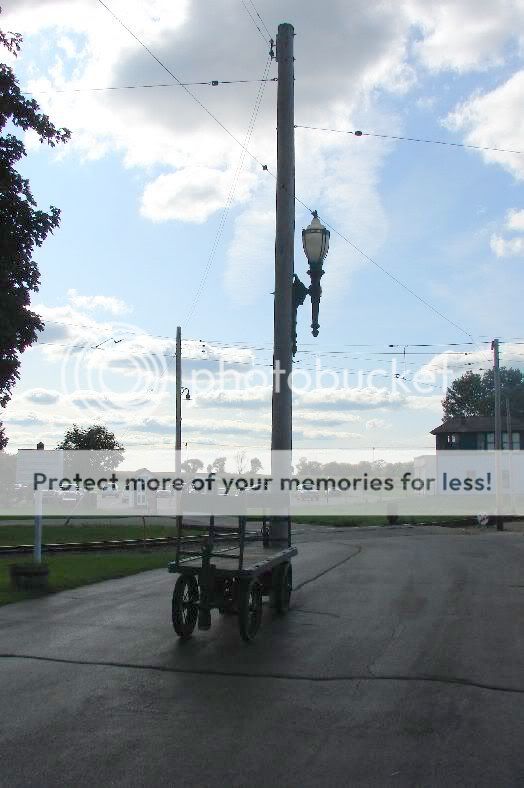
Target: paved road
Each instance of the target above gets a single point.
(401, 664)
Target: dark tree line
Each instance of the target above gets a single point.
(473, 394)
(23, 226)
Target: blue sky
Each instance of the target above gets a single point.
(145, 179)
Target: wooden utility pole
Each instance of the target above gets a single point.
(498, 422)
(178, 415)
(509, 428)
(281, 432)
(496, 384)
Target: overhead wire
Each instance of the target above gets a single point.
(341, 235)
(259, 16)
(179, 82)
(249, 13)
(212, 82)
(242, 345)
(398, 281)
(358, 133)
(231, 195)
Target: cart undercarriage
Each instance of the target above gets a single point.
(230, 570)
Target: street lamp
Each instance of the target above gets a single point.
(185, 390)
(315, 240)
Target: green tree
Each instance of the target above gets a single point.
(473, 394)
(255, 465)
(307, 467)
(22, 225)
(219, 465)
(109, 452)
(192, 466)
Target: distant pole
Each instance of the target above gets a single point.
(509, 429)
(508, 424)
(498, 420)
(37, 549)
(281, 432)
(178, 414)
(496, 383)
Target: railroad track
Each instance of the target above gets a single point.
(106, 545)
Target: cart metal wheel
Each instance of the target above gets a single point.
(250, 609)
(184, 606)
(283, 581)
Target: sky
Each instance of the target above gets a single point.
(166, 221)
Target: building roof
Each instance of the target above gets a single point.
(475, 424)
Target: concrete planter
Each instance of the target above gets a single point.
(29, 577)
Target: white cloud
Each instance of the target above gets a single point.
(164, 128)
(106, 303)
(464, 34)
(426, 102)
(513, 246)
(66, 327)
(507, 247)
(33, 420)
(495, 119)
(431, 402)
(254, 397)
(331, 419)
(321, 434)
(515, 220)
(114, 344)
(248, 264)
(227, 426)
(376, 424)
(352, 398)
(42, 396)
(450, 363)
(453, 364)
(191, 194)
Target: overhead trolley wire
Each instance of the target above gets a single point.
(358, 133)
(399, 281)
(212, 82)
(231, 195)
(180, 83)
(265, 167)
(250, 14)
(261, 20)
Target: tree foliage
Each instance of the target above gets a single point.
(218, 465)
(95, 437)
(23, 226)
(473, 394)
(255, 465)
(192, 466)
(109, 452)
(337, 470)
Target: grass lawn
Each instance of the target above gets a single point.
(348, 521)
(339, 520)
(71, 571)
(24, 534)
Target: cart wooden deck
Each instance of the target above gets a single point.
(256, 559)
(230, 570)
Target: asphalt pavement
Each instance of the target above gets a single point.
(401, 663)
